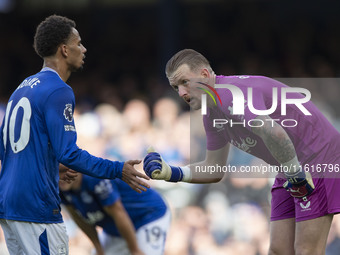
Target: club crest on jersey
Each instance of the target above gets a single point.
(246, 144)
(68, 112)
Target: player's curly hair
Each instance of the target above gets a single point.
(190, 57)
(50, 33)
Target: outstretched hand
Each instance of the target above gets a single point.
(130, 176)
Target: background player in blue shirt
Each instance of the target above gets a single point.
(37, 133)
(132, 223)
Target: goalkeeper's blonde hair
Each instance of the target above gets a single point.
(192, 58)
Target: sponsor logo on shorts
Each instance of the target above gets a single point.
(305, 207)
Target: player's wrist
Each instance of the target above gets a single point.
(180, 174)
(119, 167)
(291, 167)
(297, 179)
(176, 174)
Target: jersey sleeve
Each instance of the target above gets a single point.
(106, 191)
(59, 109)
(2, 148)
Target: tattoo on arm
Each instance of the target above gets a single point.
(276, 139)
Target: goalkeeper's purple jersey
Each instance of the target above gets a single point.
(36, 134)
(316, 141)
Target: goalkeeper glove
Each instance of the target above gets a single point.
(299, 184)
(156, 168)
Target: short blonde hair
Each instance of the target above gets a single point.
(192, 58)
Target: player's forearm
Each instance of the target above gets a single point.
(92, 234)
(127, 231)
(125, 227)
(88, 229)
(210, 170)
(279, 144)
(82, 161)
(205, 172)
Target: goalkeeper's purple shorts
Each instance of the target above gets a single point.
(324, 200)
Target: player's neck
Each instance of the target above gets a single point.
(58, 66)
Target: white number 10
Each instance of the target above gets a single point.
(22, 142)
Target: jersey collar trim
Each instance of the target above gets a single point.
(49, 69)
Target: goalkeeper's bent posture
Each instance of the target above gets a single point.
(295, 229)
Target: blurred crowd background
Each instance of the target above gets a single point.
(124, 103)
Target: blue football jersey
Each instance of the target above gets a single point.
(94, 194)
(36, 134)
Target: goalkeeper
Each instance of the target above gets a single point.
(303, 203)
